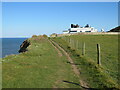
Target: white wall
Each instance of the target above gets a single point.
(83, 29)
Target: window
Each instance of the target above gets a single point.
(73, 31)
(87, 31)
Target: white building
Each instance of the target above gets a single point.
(77, 29)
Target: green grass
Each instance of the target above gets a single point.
(98, 77)
(40, 67)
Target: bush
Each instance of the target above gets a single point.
(34, 36)
(45, 36)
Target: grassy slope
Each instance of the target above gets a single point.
(106, 75)
(40, 67)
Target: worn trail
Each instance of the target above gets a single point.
(74, 67)
(59, 53)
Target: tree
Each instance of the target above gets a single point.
(77, 25)
(87, 25)
(72, 25)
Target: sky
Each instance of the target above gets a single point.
(60, 0)
(24, 19)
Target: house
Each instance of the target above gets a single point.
(76, 29)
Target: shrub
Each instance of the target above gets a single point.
(45, 36)
(34, 36)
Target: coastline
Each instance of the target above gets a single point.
(10, 46)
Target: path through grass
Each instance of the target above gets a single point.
(40, 67)
(97, 77)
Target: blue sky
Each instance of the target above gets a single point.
(24, 19)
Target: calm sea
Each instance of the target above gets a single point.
(11, 45)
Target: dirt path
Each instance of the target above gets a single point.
(59, 53)
(74, 67)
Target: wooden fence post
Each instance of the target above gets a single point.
(98, 55)
(69, 40)
(83, 49)
(70, 43)
(73, 44)
(77, 44)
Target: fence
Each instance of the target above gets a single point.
(89, 33)
(81, 46)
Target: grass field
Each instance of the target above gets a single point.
(102, 76)
(43, 67)
(40, 67)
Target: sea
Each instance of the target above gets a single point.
(11, 46)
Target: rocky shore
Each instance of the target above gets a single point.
(23, 46)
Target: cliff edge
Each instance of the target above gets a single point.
(23, 46)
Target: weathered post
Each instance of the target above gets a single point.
(77, 44)
(73, 43)
(68, 40)
(70, 43)
(83, 49)
(98, 55)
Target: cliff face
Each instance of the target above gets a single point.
(23, 46)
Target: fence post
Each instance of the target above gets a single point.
(79, 47)
(73, 44)
(70, 43)
(98, 55)
(83, 49)
(76, 44)
(69, 40)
